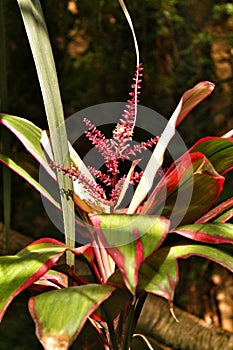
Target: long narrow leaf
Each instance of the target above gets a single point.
(214, 233)
(29, 134)
(42, 53)
(217, 255)
(215, 212)
(225, 216)
(188, 101)
(20, 170)
(218, 150)
(127, 15)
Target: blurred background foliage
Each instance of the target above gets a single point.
(181, 43)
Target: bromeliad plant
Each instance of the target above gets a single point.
(131, 251)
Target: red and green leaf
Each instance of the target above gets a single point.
(213, 233)
(187, 102)
(20, 271)
(193, 97)
(159, 274)
(51, 279)
(195, 176)
(60, 315)
(225, 216)
(222, 212)
(130, 239)
(220, 256)
(218, 150)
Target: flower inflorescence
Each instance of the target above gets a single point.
(114, 151)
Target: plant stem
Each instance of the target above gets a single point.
(111, 330)
(138, 308)
(130, 325)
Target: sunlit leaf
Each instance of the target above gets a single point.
(39, 42)
(20, 168)
(54, 279)
(222, 257)
(159, 274)
(196, 177)
(188, 101)
(60, 315)
(225, 216)
(29, 134)
(19, 271)
(216, 211)
(218, 150)
(214, 233)
(130, 239)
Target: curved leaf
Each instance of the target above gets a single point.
(205, 180)
(220, 209)
(19, 271)
(130, 239)
(29, 134)
(209, 232)
(188, 101)
(219, 256)
(218, 150)
(196, 178)
(192, 97)
(19, 168)
(52, 278)
(225, 216)
(159, 274)
(59, 315)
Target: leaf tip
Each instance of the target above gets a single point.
(173, 313)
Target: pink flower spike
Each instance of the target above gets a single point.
(124, 128)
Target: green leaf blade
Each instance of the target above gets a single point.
(218, 150)
(38, 37)
(59, 315)
(195, 176)
(159, 274)
(217, 255)
(18, 166)
(214, 233)
(130, 239)
(20, 271)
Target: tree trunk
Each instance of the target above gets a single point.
(190, 333)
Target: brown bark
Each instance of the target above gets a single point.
(190, 333)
